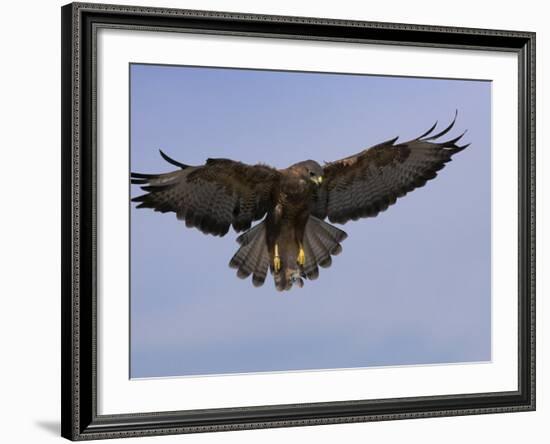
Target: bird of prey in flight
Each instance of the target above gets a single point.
(293, 239)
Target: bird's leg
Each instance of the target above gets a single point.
(276, 259)
(301, 256)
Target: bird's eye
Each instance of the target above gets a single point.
(311, 173)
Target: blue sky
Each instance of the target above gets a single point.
(412, 286)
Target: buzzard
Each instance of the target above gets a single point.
(293, 239)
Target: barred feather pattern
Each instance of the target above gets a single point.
(369, 182)
(321, 242)
(212, 197)
(252, 258)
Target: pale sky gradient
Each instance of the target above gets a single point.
(412, 286)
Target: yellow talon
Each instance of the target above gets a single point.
(276, 259)
(277, 264)
(301, 257)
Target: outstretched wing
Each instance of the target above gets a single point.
(369, 182)
(211, 197)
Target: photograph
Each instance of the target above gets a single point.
(290, 221)
(276, 221)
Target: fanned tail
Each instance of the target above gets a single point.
(321, 241)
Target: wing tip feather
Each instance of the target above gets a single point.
(441, 133)
(172, 161)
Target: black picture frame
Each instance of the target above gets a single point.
(78, 334)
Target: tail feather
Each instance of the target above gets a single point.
(311, 270)
(255, 259)
(247, 236)
(252, 257)
(320, 255)
(328, 231)
(249, 263)
(260, 272)
(321, 241)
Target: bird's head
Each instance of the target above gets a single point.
(309, 170)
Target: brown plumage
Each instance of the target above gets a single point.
(293, 240)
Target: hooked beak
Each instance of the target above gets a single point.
(317, 180)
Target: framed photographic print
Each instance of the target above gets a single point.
(280, 221)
